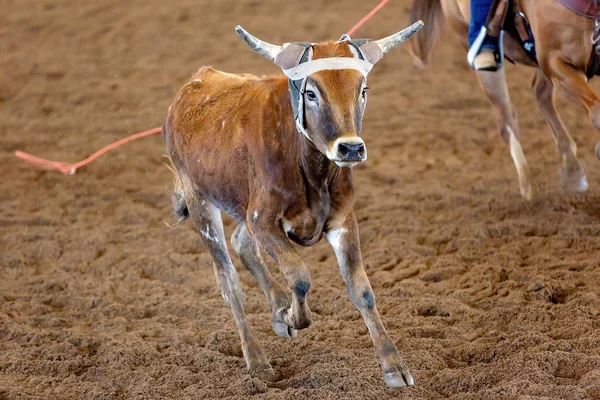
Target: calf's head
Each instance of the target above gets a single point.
(328, 87)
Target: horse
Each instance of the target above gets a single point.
(564, 51)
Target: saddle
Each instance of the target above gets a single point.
(518, 26)
(585, 8)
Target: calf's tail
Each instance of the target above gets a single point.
(180, 208)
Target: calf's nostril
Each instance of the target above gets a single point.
(360, 148)
(346, 149)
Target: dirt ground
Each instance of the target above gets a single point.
(487, 296)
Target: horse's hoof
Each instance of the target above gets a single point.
(528, 192)
(572, 176)
(578, 184)
(582, 185)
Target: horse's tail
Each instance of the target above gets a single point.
(431, 13)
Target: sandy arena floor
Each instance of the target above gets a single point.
(488, 297)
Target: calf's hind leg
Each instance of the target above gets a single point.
(248, 251)
(207, 220)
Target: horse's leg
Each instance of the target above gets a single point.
(496, 90)
(248, 251)
(572, 172)
(207, 220)
(574, 82)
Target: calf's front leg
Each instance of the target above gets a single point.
(345, 243)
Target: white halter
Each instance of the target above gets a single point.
(307, 68)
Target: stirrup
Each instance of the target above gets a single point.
(475, 50)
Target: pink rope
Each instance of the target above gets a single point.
(70, 169)
(366, 17)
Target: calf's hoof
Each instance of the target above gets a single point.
(398, 379)
(395, 372)
(296, 321)
(282, 329)
(257, 363)
(260, 368)
(262, 372)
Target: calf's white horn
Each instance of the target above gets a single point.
(388, 43)
(265, 49)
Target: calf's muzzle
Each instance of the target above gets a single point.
(347, 151)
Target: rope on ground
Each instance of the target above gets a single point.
(70, 169)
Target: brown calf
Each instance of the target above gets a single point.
(283, 173)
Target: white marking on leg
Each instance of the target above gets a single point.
(208, 236)
(516, 151)
(335, 238)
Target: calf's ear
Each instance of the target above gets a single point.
(372, 52)
(290, 56)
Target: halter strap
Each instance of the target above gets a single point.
(307, 68)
